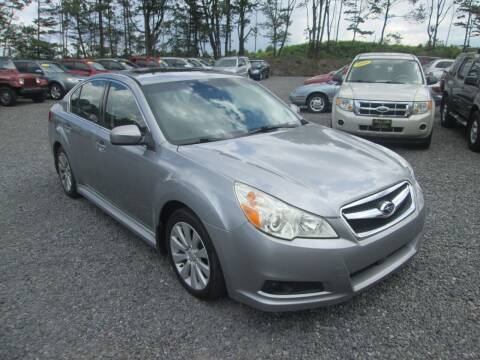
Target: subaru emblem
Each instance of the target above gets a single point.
(387, 208)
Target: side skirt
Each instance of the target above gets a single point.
(139, 229)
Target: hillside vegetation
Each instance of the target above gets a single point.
(294, 59)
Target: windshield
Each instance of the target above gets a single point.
(256, 64)
(96, 65)
(226, 63)
(389, 71)
(51, 68)
(189, 111)
(195, 62)
(7, 64)
(127, 64)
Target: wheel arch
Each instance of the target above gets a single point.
(165, 212)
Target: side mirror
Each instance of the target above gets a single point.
(431, 80)
(295, 108)
(337, 78)
(471, 80)
(126, 135)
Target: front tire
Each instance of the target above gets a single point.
(193, 257)
(8, 96)
(65, 174)
(446, 118)
(56, 91)
(317, 103)
(473, 132)
(425, 144)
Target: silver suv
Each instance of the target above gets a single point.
(244, 195)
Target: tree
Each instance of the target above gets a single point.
(243, 8)
(468, 12)
(46, 21)
(7, 17)
(357, 15)
(274, 22)
(383, 9)
(433, 12)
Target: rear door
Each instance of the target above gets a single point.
(458, 84)
(128, 172)
(81, 69)
(468, 92)
(88, 131)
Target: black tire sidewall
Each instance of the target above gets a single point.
(216, 285)
(446, 120)
(13, 96)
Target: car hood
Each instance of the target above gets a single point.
(318, 79)
(384, 92)
(312, 167)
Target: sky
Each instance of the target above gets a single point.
(412, 33)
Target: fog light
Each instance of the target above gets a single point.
(340, 122)
(422, 127)
(291, 287)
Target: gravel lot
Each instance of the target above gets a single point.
(75, 284)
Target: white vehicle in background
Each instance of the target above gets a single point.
(239, 65)
(386, 95)
(437, 67)
(177, 62)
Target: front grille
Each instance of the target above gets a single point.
(382, 109)
(375, 213)
(29, 83)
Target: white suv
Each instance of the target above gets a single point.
(385, 95)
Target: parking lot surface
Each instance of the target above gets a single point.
(75, 284)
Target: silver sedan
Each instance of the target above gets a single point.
(317, 98)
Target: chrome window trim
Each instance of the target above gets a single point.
(375, 196)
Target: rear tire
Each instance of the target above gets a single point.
(473, 132)
(193, 257)
(8, 96)
(446, 118)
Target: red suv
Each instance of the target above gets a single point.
(14, 84)
(83, 67)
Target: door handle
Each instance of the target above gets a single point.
(101, 145)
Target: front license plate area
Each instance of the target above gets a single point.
(382, 124)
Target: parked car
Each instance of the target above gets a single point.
(177, 62)
(436, 91)
(461, 98)
(260, 69)
(199, 63)
(14, 84)
(239, 65)
(386, 95)
(319, 79)
(59, 81)
(424, 60)
(116, 64)
(83, 67)
(316, 98)
(437, 67)
(148, 61)
(242, 194)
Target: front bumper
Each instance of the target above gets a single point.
(412, 127)
(345, 266)
(36, 91)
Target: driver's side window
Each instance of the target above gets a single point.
(121, 108)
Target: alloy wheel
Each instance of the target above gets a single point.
(55, 92)
(190, 256)
(317, 103)
(5, 98)
(65, 172)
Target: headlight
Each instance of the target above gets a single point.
(37, 80)
(21, 81)
(279, 219)
(344, 104)
(255, 71)
(422, 107)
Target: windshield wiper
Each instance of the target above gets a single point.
(362, 81)
(203, 140)
(268, 128)
(390, 82)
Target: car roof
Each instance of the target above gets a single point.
(148, 76)
(386, 55)
(114, 59)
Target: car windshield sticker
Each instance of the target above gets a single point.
(362, 63)
(45, 65)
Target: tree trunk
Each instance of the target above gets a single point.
(100, 28)
(338, 21)
(385, 19)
